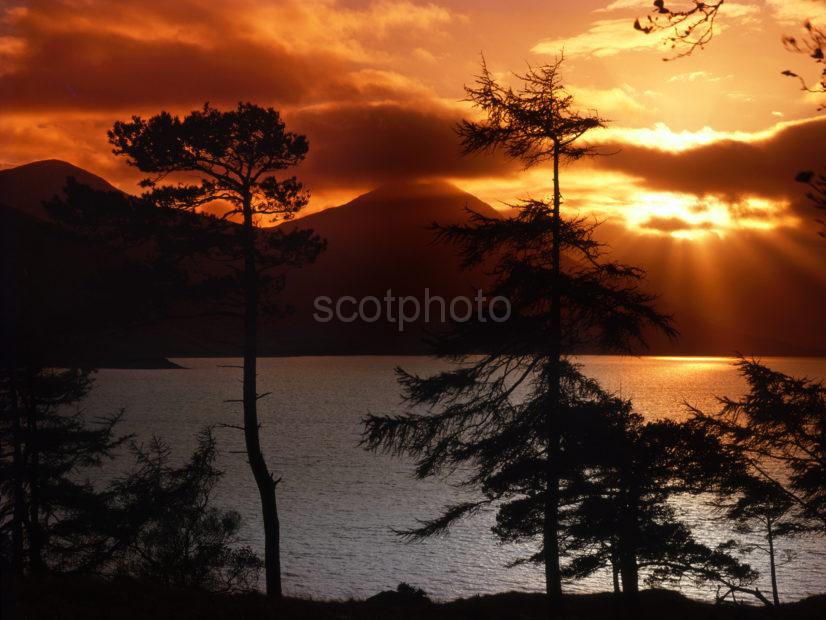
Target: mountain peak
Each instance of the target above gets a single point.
(432, 199)
(417, 188)
(26, 187)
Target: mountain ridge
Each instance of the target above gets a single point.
(27, 186)
(382, 240)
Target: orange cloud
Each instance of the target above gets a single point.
(759, 165)
(611, 36)
(109, 56)
(622, 98)
(374, 84)
(357, 145)
(605, 37)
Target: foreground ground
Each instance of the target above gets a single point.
(64, 598)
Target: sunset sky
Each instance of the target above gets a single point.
(705, 145)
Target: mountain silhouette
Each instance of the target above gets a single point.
(52, 298)
(378, 242)
(27, 187)
(383, 241)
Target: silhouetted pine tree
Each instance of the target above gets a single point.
(623, 515)
(536, 124)
(779, 429)
(761, 508)
(211, 265)
(505, 415)
(51, 517)
(182, 540)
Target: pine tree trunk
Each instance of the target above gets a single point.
(616, 599)
(772, 565)
(19, 511)
(615, 574)
(553, 576)
(630, 576)
(550, 530)
(629, 571)
(263, 478)
(36, 564)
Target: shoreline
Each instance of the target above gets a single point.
(74, 597)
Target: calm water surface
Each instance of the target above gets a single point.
(337, 503)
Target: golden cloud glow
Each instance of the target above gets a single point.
(684, 216)
(699, 189)
(377, 84)
(605, 37)
(662, 137)
(680, 215)
(793, 12)
(620, 99)
(609, 37)
(694, 76)
(357, 34)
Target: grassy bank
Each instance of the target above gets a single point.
(62, 598)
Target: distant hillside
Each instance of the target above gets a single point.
(381, 241)
(26, 187)
(756, 294)
(55, 299)
(377, 242)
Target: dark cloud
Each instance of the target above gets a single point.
(730, 168)
(358, 144)
(115, 56)
(104, 61)
(673, 224)
(81, 70)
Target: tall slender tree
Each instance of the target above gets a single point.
(508, 414)
(235, 157)
(536, 124)
(762, 509)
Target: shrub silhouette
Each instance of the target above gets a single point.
(184, 541)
